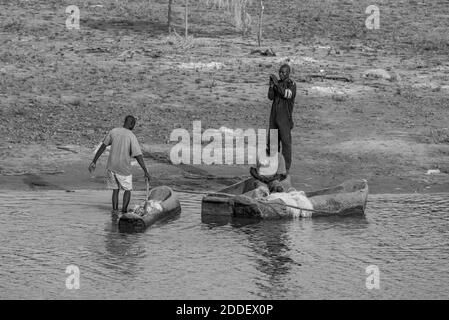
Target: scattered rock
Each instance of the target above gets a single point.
(377, 74)
(16, 72)
(339, 97)
(108, 93)
(71, 100)
(127, 54)
(394, 75)
(152, 97)
(201, 65)
(266, 53)
(333, 50)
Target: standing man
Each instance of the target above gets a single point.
(282, 92)
(124, 147)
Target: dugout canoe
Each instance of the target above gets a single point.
(348, 198)
(131, 222)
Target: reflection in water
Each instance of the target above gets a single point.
(121, 248)
(127, 249)
(270, 242)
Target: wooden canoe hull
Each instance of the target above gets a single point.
(131, 222)
(346, 199)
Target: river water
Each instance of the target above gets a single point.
(405, 236)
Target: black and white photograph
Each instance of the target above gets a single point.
(242, 151)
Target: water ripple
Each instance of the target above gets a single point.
(406, 236)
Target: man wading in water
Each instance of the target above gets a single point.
(124, 147)
(282, 92)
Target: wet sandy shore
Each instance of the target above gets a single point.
(66, 170)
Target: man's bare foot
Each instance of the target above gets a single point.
(114, 212)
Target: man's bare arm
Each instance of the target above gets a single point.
(139, 159)
(99, 152)
(97, 155)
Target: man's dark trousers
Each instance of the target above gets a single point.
(281, 117)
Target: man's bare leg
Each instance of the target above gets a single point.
(115, 193)
(126, 199)
(114, 212)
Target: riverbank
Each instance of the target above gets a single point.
(370, 105)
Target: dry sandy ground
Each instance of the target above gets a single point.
(62, 90)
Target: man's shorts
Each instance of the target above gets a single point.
(116, 181)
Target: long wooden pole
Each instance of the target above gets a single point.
(259, 38)
(170, 2)
(187, 14)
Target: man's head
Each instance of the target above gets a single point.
(284, 72)
(130, 122)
